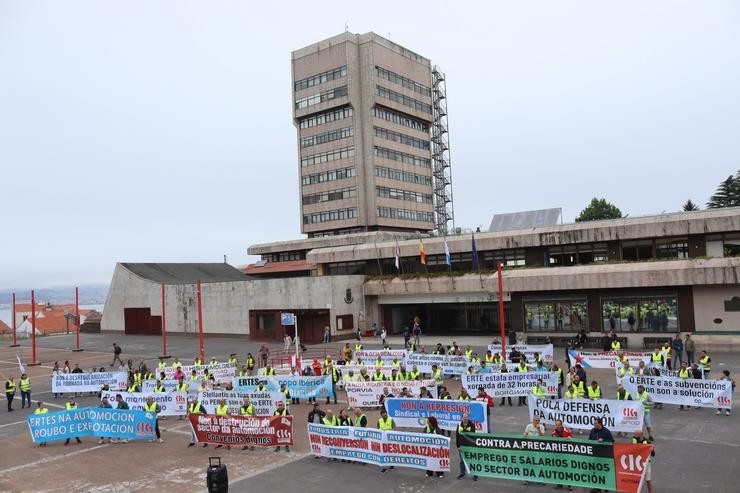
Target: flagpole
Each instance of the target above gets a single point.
(423, 259)
(448, 261)
(77, 319)
(399, 264)
(15, 341)
(501, 317)
(377, 257)
(477, 261)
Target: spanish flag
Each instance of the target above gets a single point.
(422, 255)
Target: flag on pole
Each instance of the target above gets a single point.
(422, 255)
(448, 258)
(398, 257)
(474, 254)
(20, 365)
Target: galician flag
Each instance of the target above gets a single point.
(474, 253)
(448, 258)
(20, 365)
(398, 257)
(422, 255)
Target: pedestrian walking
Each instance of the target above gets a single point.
(116, 355)
(10, 392)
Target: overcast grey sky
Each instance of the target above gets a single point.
(161, 130)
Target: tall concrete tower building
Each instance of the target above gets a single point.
(365, 109)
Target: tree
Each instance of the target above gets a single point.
(599, 209)
(690, 206)
(727, 194)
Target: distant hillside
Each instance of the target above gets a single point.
(89, 295)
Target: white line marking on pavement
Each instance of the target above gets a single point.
(11, 424)
(298, 456)
(49, 459)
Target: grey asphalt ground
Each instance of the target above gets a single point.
(696, 451)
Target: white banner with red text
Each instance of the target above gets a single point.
(170, 403)
(264, 403)
(626, 416)
(682, 391)
(546, 351)
(367, 394)
(605, 359)
(511, 384)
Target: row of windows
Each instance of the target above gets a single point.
(326, 117)
(321, 97)
(335, 232)
(384, 153)
(335, 174)
(326, 216)
(395, 193)
(284, 256)
(401, 138)
(342, 133)
(317, 198)
(315, 80)
(346, 268)
(405, 214)
(326, 157)
(394, 174)
(404, 100)
(400, 119)
(403, 81)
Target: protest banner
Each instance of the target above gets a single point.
(546, 351)
(605, 359)
(371, 356)
(88, 382)
(450, 365)
(264, 403)
(147, 386)
(510, 384)
(302, 387)
(626, 416)
(380, 447)
(566, 461)
(369, 369)
(682, 391)
(246, 384)
(92, 421)
(260, 431)
(222, 372)
(366, 394)
(412, 413)
(170, 403)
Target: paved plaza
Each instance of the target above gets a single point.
(696, 451)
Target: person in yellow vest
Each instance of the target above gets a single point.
(70, 406)
(468, 352)
(284, 390)
(213, 361)
(195, 407)
(647, 405)
(25, 386)
(444, 393)
(133, 387)
(395, 376)
(281, 410)
(415, 374)
(148, 375)
(194, 377)
(158, 387)
(176, 363)
(162, 364)
(622, 394)
(616, 345)
(243, 372)
(152, 407)
(579, 386)
(336, 375)
(571, 393)
(385, 424)
(250, 363)
(465, 426)
(137, 378)
(470, 370)
(396, 363)
(222, 409)
(657, 358)
(197, 361)
(522, 368)
(437, 375)
(626, 369)
(10, 392)
(329, 419)
(684, 373)
(594, 391)
(269, 370)
(41, 409)
(233, 360)
(246, 409)
(638, 437)
(706, 362)
(262, 386)
(464, 396)
(489, 358)
(358, 346)
(538, 389)
(378, 376)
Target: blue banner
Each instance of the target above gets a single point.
(412, 413)
(92, 421)
(299, 387)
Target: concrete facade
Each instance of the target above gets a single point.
(226, 305)
(345, 79)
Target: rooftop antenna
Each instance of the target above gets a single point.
(346, 26)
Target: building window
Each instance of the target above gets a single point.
(327, 216)
(266, 321)
(321, 97)
(346, 268)
(326, 117)
(345, 322)
(641, 313)
(400, 119)
(341, 194)
(284, 256)
(637, 250)
(395, 193)
(342, 133)
(555, 316)
(672, 248)
(335, 232)
(402, 157)
(508, 258)
(588, 253)
(317, 79)
(403, 81)
(335, 174)
(329, 156)
(394, 174)
(404, 100)
(405, 215)
(401, 138)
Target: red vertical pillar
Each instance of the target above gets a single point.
(164, 325)
(33, 327)
(501, 317)
(77, 315)
(15, 341)
(200, 321)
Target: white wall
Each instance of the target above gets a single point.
(709, 304)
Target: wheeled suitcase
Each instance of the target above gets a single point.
(217, 477)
